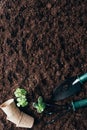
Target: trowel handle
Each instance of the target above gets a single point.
(83, 78)
(79, 104)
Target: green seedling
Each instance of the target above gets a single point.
(20, 94)
(39, 105)
(22, 102)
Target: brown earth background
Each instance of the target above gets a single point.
(42, 43)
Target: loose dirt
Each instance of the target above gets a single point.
(42, 43)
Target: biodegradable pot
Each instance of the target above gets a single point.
(15, 115)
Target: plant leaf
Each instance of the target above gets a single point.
(18, 104)
(40, 100)
(20, 92)
(35, 105)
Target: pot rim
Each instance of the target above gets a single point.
(6, 103)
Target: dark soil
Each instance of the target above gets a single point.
(42, 43)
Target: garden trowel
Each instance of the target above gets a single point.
(69, 87)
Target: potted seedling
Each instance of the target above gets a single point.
(21, 94)
(15, 115)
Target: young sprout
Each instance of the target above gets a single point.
(22, 102)
(39, 105)
(20, 94)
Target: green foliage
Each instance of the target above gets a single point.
(20, 94)
(39, 105)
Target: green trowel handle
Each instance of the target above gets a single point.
(79, 104)
(83, 78)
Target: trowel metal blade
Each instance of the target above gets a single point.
(66, 89)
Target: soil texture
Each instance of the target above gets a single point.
(42, 43)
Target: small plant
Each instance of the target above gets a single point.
(20, 94)
(39, 105)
